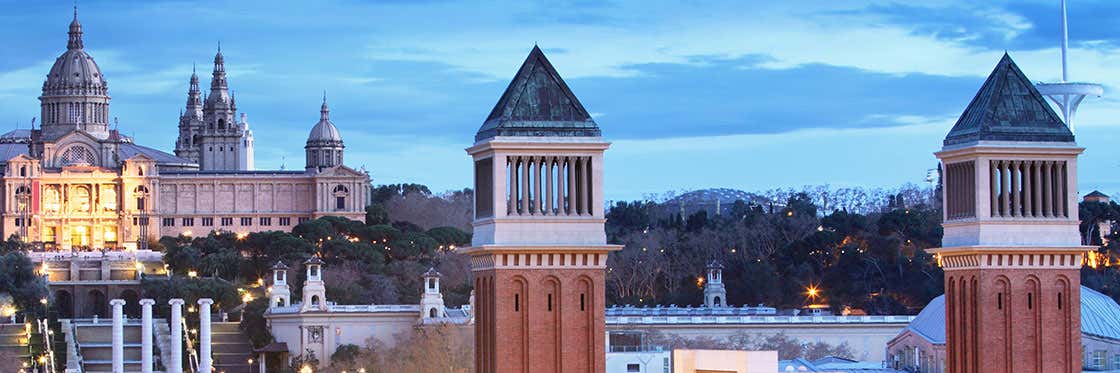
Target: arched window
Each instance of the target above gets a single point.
(23, 171)
(141, 195)
(77, 155)
(314, 300)
(221, 124)
(340, 194)
(432, 313)
(23, 197)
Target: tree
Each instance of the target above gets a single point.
(376, 214)
(19, 279)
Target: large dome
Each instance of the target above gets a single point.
(75, 72)
(324, 132)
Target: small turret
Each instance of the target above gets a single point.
(431, 301)
(314, 291)
(715, 294)
(279, 295)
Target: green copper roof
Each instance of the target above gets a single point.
(1008, 108)
(538, 103)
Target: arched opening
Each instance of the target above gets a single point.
(432, 313)
(96, 304)
(314, 300)
(64, 304)
(715, 301)
(23, 171)
(340, 194)
(131, 303)
(221, 124)
(431, 283)
(141, 195)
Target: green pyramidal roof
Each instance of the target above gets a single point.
(1008, 108)
(538, 103)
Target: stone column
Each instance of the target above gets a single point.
(537, 185)
(993, 184)
(118, 334)
(525, 169)
(204, 363)
(1016, 209)
(1063, 200)
(1028, 189)
(511, 194)
(1005, 188)
(1047, 190)
(146, 335)
(176, 363)
(589, 184)
(1036, 180)
(549, 199)
(571, 172)
(560, 195)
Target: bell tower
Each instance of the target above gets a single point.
(279, 295)
(539, 248)
(1011, 249)
(314, 290)
(715, 294)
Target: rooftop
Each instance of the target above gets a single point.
(1008, 108)
(538, 103)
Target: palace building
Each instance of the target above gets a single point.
(77, 183)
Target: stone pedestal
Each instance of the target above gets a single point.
(118, 334)
(205, 365)
(176, 363)
(146, 359)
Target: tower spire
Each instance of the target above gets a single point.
(324, 111)
(75, 32)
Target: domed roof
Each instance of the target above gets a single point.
(324, 132)
(75, 72)
(1100, 316)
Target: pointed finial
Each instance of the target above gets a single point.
(324, 96)
(75, 10)
(219, 46)
(194, 67)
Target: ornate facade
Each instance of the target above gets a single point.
(77, 183)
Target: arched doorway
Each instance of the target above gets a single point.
(131, 303)
(96, 304)
(64, 304)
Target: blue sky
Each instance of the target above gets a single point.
(742, 94)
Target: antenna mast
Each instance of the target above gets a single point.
(1065, 94)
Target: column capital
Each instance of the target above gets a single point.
(117, 302)
(205, 301)
(175, 302)
(147, 302)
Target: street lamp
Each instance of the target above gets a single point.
(812, 291)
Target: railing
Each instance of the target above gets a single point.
(192, 354)
(352, 308)
(48, 334)
(624, 320)
(122, 255)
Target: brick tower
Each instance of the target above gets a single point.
(1012, 252)
(539, 248)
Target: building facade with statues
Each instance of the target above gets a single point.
(76, 182)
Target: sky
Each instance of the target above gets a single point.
(752, 95)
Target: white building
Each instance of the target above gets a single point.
(318, 326)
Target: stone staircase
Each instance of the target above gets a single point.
(94, 342)
(231, 349)
(13, 343)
